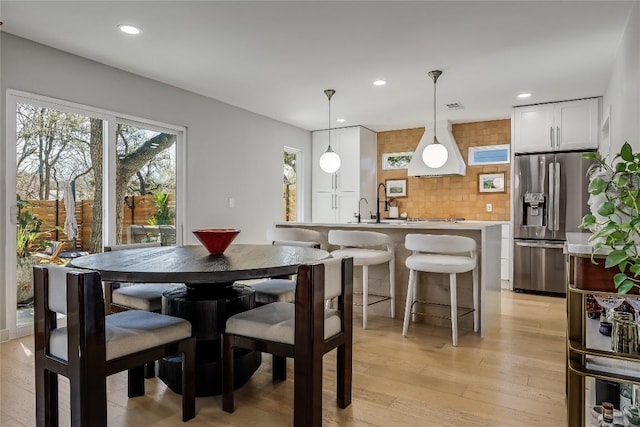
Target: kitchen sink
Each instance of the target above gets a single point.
(384, 221)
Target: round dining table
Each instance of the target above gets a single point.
(209, 298)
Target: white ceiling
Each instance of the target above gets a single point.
(276, 58)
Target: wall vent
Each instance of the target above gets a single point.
(455, 106)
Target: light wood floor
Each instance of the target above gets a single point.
(513, 377)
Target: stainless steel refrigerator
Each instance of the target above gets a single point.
(550, 200)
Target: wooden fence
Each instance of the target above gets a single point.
(289, 202)
(137, 210)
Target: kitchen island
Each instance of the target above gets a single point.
(487, 234)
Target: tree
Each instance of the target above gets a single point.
(130, 160)
(54, 146)
(289, 167)
(50, 146)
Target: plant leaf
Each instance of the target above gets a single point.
(626, 153)
(597, 186)
(618, 279)
(587, 220)
(625, 287)
(615, 258)
(607, 208)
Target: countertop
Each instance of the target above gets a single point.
(394, 223)
(578, 244)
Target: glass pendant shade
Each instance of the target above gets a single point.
(435, 155)
(329, 161)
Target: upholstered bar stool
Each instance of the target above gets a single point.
(364, 247)
(442, 254)
(284, 289)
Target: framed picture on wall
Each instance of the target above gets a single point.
(396, 187)
(491, 182)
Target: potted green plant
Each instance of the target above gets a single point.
(28, 237)
(615, 214)
(164, 213)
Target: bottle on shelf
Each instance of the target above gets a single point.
(607, 414)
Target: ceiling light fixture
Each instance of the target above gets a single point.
(435, 154)
(329, 161)
(380, 82)
(524, 95)
(129, 29)
(341, 120)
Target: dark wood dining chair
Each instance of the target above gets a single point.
(304, 331)
(134, 296)
(93, 346)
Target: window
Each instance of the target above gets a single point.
(489, 154)
(66, 160)
(290, 185)
(396, 160)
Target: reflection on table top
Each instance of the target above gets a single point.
(194, 266)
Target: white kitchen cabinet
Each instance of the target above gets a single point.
(505, 257)
(335, 196)
(569, 125)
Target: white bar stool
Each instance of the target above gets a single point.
(442, 254)
(361, 245)
(284, 289)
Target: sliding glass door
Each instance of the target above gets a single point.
(78, 179)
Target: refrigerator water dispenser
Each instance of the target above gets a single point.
(534, 209)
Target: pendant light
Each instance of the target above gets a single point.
(329, 161)
(435, 154)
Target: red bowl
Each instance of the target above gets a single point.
(216, 240)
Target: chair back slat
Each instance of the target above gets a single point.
(294, 234)
(332, 277)
(439, 243)
(296, 243)
(57, 287)
(357, 238)
(132, 246)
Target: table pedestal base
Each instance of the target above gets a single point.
(208, 308)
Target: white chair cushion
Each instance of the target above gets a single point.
(363, 256)
(58, 287)
(129, 332)
(275, 290)
(276, 322)
(142, 296)
(435, 263)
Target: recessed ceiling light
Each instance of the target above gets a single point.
(380, 82)
(524, 95)
(129, 29)
(341, 120)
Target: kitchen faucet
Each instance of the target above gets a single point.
(378, 201)
(360, 201)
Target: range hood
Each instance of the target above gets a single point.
(453, 166)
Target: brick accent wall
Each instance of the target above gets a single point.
(451, 196)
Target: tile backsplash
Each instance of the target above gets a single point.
(451, 196)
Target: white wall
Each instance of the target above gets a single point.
(623, 91)
(230, 152)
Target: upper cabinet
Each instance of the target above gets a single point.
(335, 196)
(560, 126)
